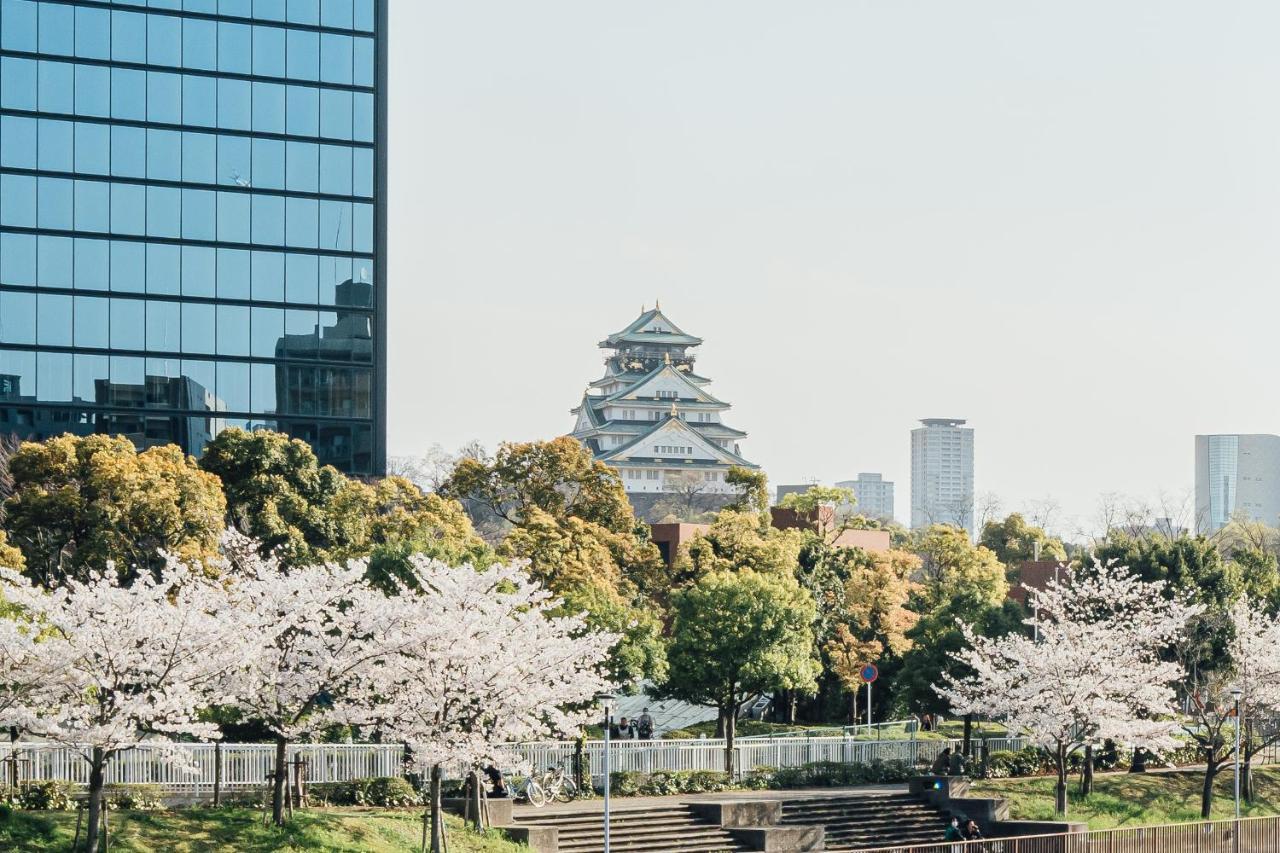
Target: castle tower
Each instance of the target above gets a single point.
(652, 418)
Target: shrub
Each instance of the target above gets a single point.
(1028, 761)
(381, 791)
(138, 798)
(45, 796)
(826, 774)
(633, 784)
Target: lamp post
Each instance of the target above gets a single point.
(1236, 693)
(606, 703)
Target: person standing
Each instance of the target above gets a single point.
(644, 726)
(942, 764)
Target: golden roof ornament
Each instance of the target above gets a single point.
(666, 358)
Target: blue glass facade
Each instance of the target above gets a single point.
(192, 226)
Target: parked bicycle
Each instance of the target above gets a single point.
(559, 785)
(530, 790)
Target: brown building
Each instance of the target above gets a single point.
(1033, 574)
(823, 521)
(670, 536)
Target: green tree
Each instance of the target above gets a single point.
(736, 635)
(817, 496)
(953, 567)
(752, 488)
(1014, 541)
(737, 541)
(80, 502)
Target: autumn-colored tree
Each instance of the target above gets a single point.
(953, 567)
(1014, 540)
(559, 477)
(81, 501)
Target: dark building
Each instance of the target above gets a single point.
(192, 221)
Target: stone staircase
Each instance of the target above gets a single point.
(655, 829)
(867, 821)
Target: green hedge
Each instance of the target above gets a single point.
(831, 774)
(634, 784)
(381, 791)
(39, 796)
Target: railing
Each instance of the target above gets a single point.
(246, 765)
(1250, 835)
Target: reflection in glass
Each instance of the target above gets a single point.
(164, 268)
(128, 324)
(53, 319)
(18, 259)
(93, 264)
(17, 317)
(164, 326)
(92, 321)
(128, 266)
(56, 256)
(17, 374)
(198, 328)
(53, 376)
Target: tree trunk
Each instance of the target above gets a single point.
(437, 825)
(730, 726)
(967, 749)
(474, 803)
(278, 781)
(720, 723)
(96, 766)
(1086, 773)
(1206, 792)
(853, 707)
(1060, 791)
(1246, 779)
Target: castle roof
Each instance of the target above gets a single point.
(651, 327)
(678, 427)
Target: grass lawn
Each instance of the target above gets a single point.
(1125, 799)
(238, 830)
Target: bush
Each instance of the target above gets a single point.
(380, 791)
(1028, 761)
(830, 774)
(633, 784)
(42, 796)
(137, 798)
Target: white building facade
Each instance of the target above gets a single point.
(1237, 474)
(942, 474)
(874, 495)
(652, 418)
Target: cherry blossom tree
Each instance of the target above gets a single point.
(116, 664)
(487, 663)
(1255, 670)
(1095, 673)
(316, 634)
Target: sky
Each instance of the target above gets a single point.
(1054, 219)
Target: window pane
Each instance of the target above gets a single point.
(362, 228)
(301, 335)
(128, 152)
(17, 373)
(164, 212)
(301, 278)
(93, 264)
(164, 155)
(164, 326)
(57, 145)
(234, 165)
(272, 10)
(93, 322)
(199, 100)
(335, 114)
(128, 380)
(364, 63)
(55, 94)
(335, 58)
(333, 272)
(364, 15)
(199, 265)
(93, 33)
(235, 48)
(335, 169)
(197, 328)
(199, 214)
(18, 317)
(233, 217)
(268, 51)
(128, 94)
(19, 148)
(268, 164)
(302, 222)
(53, 320)
(203, 376)
(53, 376)
(302, 167)
(303, 111)
(268, 220)
(235, 104)
(56, 206)
(164, 268)
(362, 117)
(233, 273)
(268, 107)
(268, 326)
(18, 259)
(362, 171)
(304, 11)
(128, 324)
(18, 83)
(93, 91)
(128, 36)
(268, 275)
(128, 266)
(336, 13)
(164, 97)
(93, 206)
(90, 370)
(199, 44)
(262, 383)
(93, 148)
(164, 40)
(19, 30)
(128, 208)
(199, 158)
(55, 264)
(57, 29)
(18, 200)
(233, 386)
(335, 225)
(233, 330)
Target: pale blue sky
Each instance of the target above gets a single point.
(1055, 219)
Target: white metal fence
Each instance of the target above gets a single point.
(246, 766)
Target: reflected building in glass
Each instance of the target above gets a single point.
(192, 221)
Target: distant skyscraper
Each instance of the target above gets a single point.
(874, 495)
(192, 221)
(1237, 474)
(942, 473)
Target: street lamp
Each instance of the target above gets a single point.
(1236, 693)
(606, 704)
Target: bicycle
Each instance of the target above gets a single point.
(559, 785)
(531, 790)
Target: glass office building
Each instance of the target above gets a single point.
(192, 221)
